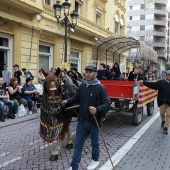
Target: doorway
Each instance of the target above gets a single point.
(3, 59)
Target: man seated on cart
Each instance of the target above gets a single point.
(103, 73)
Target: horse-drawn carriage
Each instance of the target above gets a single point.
(129, 96)
(55, 121)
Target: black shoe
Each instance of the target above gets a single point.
(11, 116)
(162, 124)
(165, 130)
(2, 118)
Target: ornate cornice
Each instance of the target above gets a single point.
(119, 5)
(5, 26)
(76, 44)
(48, 36)
(100, 4)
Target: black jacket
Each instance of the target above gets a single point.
(163, 88)
(103, 74)
(116, 73)
(92, 95)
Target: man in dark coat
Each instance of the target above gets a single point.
(163, 87)
(103, 73)
(93, 99)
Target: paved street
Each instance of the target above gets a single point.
(22, 149)
(151, 152)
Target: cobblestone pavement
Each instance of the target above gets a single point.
(151, 152)
(21, 148)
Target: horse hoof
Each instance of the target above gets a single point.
(69, 146)
(54, 158)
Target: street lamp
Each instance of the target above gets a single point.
(65, 22)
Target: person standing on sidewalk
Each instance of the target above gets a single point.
(163, 99)
(93, 100)
(27, 74)
(6, 75)
(17, 73)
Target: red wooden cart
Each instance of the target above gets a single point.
(127, 93)
(124, 93)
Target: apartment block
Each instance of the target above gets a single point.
(148, 23)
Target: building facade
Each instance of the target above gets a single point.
(31, 37)
(148, 23)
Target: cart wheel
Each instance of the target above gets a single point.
(137, 115)
(150, 108)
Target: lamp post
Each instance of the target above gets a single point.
(65, 22)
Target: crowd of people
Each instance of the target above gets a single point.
(138, 73)
(13, 93)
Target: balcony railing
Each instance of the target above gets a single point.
(48, 10)
(28, 6)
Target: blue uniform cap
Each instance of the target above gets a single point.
(92, 68)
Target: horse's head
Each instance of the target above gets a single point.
(52, 83)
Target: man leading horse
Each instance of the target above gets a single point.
(93, 100)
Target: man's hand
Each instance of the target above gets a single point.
(63, 102)
(93, 110)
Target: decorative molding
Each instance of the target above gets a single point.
(100, 4)
(5, 26)
(48, 36)
(76, 44)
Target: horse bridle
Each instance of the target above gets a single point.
(53, 87)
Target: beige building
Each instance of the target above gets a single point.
(31, 37)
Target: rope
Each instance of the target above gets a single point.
(103, 140)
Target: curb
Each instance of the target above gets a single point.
(9, 122)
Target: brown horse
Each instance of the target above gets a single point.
(54, 120)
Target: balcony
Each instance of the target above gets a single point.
(160, 33)
(84, 25)
(89, 26)
(48, 10)
(161, 11)
(27, 6)
(159, 44)
(159, 22)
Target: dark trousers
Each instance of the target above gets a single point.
(30, 102)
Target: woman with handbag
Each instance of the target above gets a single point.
(15, 94)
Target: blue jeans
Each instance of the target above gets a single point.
(10, 106)
(84, 128)
(1, 108)
(30, 102)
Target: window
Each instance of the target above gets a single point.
(131, 7)
(4, 42)
(75, 60)
(142, 6)
(98, 17)
(130, 18)
(45, 56)
(142, 27)
(78, 4)
(142, 38)
(48, 2)
(142, 17)
(121, 29)
(116, 28)
(5, 51)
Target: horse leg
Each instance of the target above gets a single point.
(54, 156)
(70, 140)
(61, 136)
